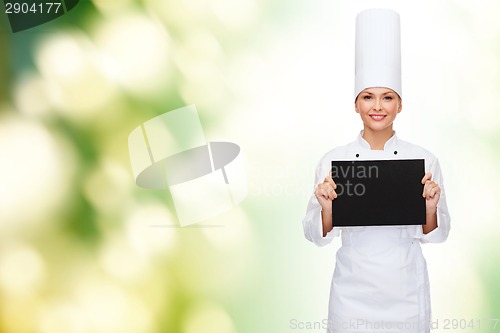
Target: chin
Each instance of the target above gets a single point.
(378, 127)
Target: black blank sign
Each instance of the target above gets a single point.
(386, 192)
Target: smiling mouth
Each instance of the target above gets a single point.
(377, 117)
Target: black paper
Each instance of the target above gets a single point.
(383, 192)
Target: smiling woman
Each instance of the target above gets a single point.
(380, 273)
(378, 108)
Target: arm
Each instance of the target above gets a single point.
(326, 218)
(325, 194)
(317, 223)
(431, 193)
(438, 219)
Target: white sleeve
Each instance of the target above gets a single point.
(312, 223)
(440, 234)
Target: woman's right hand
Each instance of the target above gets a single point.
(325, 193)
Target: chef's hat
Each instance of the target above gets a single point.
(378, 50)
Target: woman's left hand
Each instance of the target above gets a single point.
(431, 193)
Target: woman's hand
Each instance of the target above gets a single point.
(431, 193)
(325, 193)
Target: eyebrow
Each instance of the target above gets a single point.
(388, 92)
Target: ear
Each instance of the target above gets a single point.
(400, 107)
(356, 107)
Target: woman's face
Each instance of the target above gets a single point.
(378, 107)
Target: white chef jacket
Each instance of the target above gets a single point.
(380, 283)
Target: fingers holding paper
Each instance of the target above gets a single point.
(431, 193)
(325, 193)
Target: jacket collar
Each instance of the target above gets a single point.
(389, 145)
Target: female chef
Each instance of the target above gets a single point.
(380, 282)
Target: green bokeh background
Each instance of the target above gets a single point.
(80, 246)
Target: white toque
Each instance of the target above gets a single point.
(378, 51)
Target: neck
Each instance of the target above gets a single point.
(377, 139)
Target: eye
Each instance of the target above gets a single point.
(388, 98)
(367, 97)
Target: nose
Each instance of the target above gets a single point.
(377, 106)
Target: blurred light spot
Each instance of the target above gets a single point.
(235, 13)
(121, 262)
(208, 318)
(16, 312)
(203, 81)
(197, 58)
(236, 233)
(192, 5)
(35, 172)
(479, 158)
(111, 6)
(235, 261)
(481, 111)
(22, 269)
(197, 55)
(75, 83)
(180, 12)
(208, 93)
(135, 49)
(30, 95)
(150, 229)
(62, 56)
(61, 317)
(245, 75)
(108, 309)
(108, 187)
(201, 43)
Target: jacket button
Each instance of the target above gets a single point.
(357, 155)
(395, 152)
